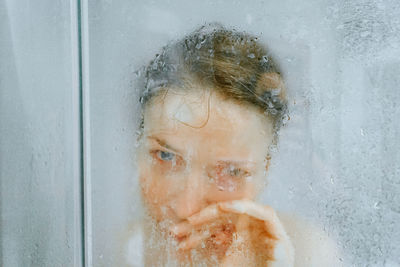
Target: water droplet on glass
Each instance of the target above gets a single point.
(310, 186)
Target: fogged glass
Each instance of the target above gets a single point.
(184, 177)
(39, 135)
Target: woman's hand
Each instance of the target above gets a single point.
(239, 233)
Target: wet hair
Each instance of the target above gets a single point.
(232, 63)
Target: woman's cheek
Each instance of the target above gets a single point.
(226, 190)
(158, 189)
(151, 196)
(148, 185)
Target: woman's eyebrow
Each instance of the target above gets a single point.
(164, 144)
(239, 163)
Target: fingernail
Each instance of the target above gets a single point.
(183, 245)
(174, 229)
(225, 205)
(180, 229)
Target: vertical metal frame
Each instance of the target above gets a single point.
(85, 130)
(81, 97)
(77, 146)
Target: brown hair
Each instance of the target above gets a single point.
(232, 63)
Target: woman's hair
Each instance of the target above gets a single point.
(232, 63)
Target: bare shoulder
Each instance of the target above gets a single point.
(133, 245)
(313, 247)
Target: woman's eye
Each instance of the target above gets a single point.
(166, 161)
(165, 156)
(228, 178)
(235, 172)
(230, 171)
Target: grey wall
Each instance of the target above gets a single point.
(39, 135)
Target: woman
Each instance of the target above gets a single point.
(213, 103)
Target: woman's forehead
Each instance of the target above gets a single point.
(206, 119)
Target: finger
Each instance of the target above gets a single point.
(207, 214)
(218, 237)
(243, 223)
(181, 229)
(249, 208)
(194, 240)
(257, 211)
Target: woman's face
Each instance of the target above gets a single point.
(198, 149)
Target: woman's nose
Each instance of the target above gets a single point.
(191, 198)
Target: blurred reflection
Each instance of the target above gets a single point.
(213, 104)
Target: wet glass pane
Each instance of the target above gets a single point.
(39, 135)
(233, 133)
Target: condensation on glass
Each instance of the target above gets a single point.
(337, 160)
(335, 169)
